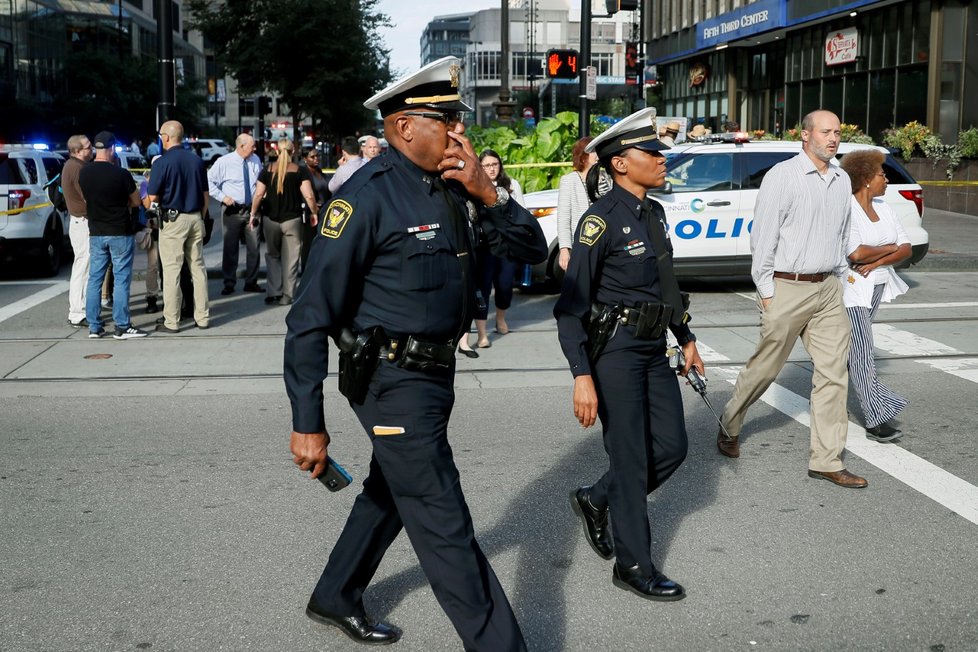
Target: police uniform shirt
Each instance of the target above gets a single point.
(178, 180)
(612, 260)
(388, 254)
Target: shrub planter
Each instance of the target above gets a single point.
(958, 199)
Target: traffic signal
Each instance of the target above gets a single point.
(264, 105)
(562, 64)
(614, 6)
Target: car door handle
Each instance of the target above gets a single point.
(717, 203)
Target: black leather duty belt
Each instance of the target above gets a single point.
(808, 278)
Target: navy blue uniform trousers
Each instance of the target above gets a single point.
(641, 413)
(413, 483)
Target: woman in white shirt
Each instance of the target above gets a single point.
(572, 199)
(876, 242)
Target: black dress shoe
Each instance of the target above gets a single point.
(228, 289)
(468, 353)
(163, 328)
(657, 587)
(595, 522)
(356, 627)
(253, 287)
(883, 432)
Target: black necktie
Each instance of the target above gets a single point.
(668, 284)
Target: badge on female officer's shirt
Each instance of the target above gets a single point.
(591, 230)
(337, 215)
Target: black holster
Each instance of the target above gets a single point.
(415, 355)
(601, 327)
(359, 356)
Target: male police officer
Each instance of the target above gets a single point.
(392, 280)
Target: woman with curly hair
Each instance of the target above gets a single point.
(876, 242)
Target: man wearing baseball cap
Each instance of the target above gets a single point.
(110, 195)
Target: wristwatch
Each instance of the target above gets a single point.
(502, 196)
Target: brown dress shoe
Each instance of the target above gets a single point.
(842, 478)
(729, 446)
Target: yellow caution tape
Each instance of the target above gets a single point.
(949, 184)
(15, 211)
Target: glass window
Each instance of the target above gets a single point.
(9, 173)
(905, 46)
(832, 95)
(881, 88)
(702, 172)
(52, 166)
(28, 169)
(921, 32)
(810, 96)
(890, 36)
(854, 111)
(911, 103)
(756, 165)
(876, 40)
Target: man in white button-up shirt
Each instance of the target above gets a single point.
(231, 181)
(801, 220)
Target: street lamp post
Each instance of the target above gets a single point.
(584, 117)
(505, 106)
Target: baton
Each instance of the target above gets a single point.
(677, 361)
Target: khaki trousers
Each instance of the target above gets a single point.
(183, 238)
(283, 244)
(813, 311)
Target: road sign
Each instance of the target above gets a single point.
(591, 88)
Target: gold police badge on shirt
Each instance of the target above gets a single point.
(591, 230)
(337, 215)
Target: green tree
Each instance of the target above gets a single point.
(100, 91)
(322, 57)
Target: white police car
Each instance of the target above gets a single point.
(709, 202)
(33, 218)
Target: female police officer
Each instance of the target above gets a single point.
(620, 293)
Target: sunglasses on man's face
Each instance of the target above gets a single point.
(448, 117)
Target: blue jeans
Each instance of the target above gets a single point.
(102, 249)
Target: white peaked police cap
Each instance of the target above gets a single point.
(637, 130)
(434, 87)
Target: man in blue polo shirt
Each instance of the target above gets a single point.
(178, 183)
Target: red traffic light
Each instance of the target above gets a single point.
(562, 64)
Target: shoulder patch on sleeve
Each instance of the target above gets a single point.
(337, 215)
(591, 230)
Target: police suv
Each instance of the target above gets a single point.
(709, 200)
(33, 217)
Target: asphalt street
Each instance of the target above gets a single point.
(149, 500)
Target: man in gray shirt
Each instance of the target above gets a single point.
(801, 219)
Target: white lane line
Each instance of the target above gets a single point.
(917, 473)
(17, 307)
(920, 306)
(749, 297)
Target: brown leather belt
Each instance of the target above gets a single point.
(808, 278)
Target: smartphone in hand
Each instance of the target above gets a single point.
(335, 476)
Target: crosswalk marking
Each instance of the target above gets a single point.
(901, 343)
(932, 481)
(39, 297)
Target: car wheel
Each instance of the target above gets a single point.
(214, 160)
(52, 246)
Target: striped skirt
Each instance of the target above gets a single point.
(879, 403)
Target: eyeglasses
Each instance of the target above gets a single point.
(490, 166)
(881, 174)
(448, 117)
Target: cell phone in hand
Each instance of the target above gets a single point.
(335, 476)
